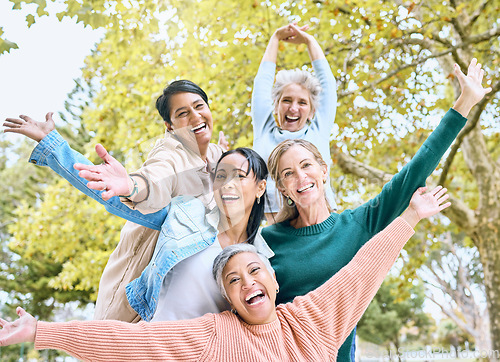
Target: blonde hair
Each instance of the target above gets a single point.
(288, 212)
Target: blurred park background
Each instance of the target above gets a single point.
(393, 64)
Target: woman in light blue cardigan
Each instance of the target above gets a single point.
(298, 105)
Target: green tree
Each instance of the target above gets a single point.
(393, 63)
(393, 318)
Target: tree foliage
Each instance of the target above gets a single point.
(391, 320)
(393, 65)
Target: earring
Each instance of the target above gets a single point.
(277, 290)
(234, 311)
(258, 200)
(324, 181)
(289, 201)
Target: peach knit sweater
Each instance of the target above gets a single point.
(311, 328)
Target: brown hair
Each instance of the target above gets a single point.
(288, 212)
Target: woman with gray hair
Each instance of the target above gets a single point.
(299, 105)
(311, 328)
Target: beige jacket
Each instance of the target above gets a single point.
(171, 170)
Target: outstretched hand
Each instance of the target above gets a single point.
(110, 176)
(470, 84)
(29, 127)
(21, 330)
(425, 204)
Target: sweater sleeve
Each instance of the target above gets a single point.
(327, 105)
(395, 196)
(53, 151)
(335, 308)
(120, 341)
(262, 102)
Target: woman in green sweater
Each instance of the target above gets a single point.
(310, 243)
(310, 329)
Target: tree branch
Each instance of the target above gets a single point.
(478, 110)
(477, 13)
(350, 165)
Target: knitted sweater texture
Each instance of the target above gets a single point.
(312, 328)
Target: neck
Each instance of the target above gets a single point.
(311, 215)
(203, 149)
(232, 231)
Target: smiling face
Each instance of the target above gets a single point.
(236, 188)
(250, 288)
(294, 108)
(191, 119)
(302, 177)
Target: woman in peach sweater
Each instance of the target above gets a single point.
(311, 328)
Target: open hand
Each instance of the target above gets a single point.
(425, 204)
(21, 330)
(109, 176)
(471, 83)
(29, 127)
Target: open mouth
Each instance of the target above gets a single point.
(229, 197)
(306, 187)
(255, 297)
(199, 128)
(291, 119)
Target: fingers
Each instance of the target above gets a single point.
(472, 67)
(444, 206)
(458, 72)
(3, 322)
(108, 194)
(102, 153)
(20, 312)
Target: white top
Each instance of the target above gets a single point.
(189, 289)
(180, 300)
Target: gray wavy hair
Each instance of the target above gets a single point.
(227, 253)
(301, 77)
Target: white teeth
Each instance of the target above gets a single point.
(229, 197)
(305, 187)
(254, 294)
(292, 118)
(201, 125)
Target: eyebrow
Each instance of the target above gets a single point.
(305, 159)
(233, 272)
(185, 107)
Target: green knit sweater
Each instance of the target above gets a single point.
(307, 257)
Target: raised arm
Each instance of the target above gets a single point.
(53, 151)
(336, 306)
(377, 213)
(113, 340)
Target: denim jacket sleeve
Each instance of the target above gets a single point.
(53, 151)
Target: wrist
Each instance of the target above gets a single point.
(133, 188)
(411, 217)
(463, 105)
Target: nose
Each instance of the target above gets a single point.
(248, 282)
(195, 116)
(294, 106)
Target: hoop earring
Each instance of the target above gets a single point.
(289, 201)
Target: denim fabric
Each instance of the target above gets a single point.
(185, 232)
(54, 151)
(353, 345)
